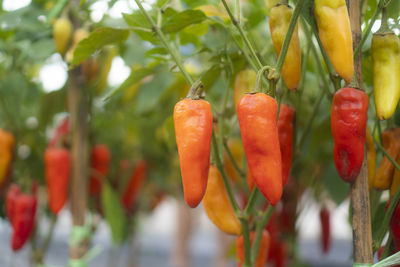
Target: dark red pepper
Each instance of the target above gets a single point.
(395, 226)
(285, 132)
(326, 239)
(23, 220)
(134, 184)
(100, 161)
(348, 125)
(12, 194)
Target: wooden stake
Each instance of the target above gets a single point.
(78, 109)
(360, 210)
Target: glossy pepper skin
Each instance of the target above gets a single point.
(193, 129)
(12, 194)
(257, 115)
(262, 252)
(279, 20)
(371, 158)
(23, 220)
(335, 34)
(100, 161)
(384, 175)
(385, 52)
(135, 182)
(57, 172)
(217, 205)
(326, 239)
(285, 131)
(6, 147)
(348, 125)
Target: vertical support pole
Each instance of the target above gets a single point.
(78, 109)
(360, 210)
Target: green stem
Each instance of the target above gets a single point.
(246, 242)
(311, 120)
(384, 21)
(195, 90)
(259, 230)
(221, 169)
(289, 33)
(386, 249)
(56, 10)
(260, 74)
(234, 163)
(242, 34)
(173, 52)
(388, 215)
(250, 203)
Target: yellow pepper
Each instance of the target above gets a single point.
(371, 158)
(236, 147)
(244, 83)
(62, 30)
(217, 205)
(384, 175)
(335, 34)
(279, 20)
(6, 146)
(385, 51)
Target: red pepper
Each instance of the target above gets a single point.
(348, 125)
(285, 131)
(100, 161)
(57, 170)
(23, 220)
(13, 192)
(262, 252)
(134, 184)
(61, 132)
(326, 239)
(395, 226)
(257, 115)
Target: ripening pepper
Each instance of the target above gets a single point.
(384, 175)
(6, 147)
(371, 158)
(79, 35)
(279, 20)
(23, 220)
(217, 205)
(262, 252)
(257, 115)
(385, 52)
(57, 170)
(244, 83)
(394, 226)
(326, 238)
(285, 132)
(100, 160)
(135, 182)
(193, 129)
(13, 192)
(335, 34)
(62, 30)
(250, 181)
(348, 125)
(236, 148)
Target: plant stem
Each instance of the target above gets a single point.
(289, 33)
(250, 203)
(246, 242)
(218, 163)
(173, 52)
(388, 215)
(259, 230)
(242, 34)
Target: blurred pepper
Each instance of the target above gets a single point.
(23, 220)
(335, 34)
(6, 147)
(217, 205)
(285, 131)
(12, 194)
(279, 21)
(371, 158)
(348, 125)
(384, 175)
(326, 238)
(385, 52)
(244, 83)
(394, 226)
(193, 129)
(100, 161)
(135, 182)
(236, 148)
(262, 252)
(62, 30)
(257, 115)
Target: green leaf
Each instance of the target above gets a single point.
(50, 104)
(336, 187)
(134, 77)
(183, 19)
(393, 9)
(113, 212)
(376, 221)
(210, 76)
(140, 26)
(96, 40)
